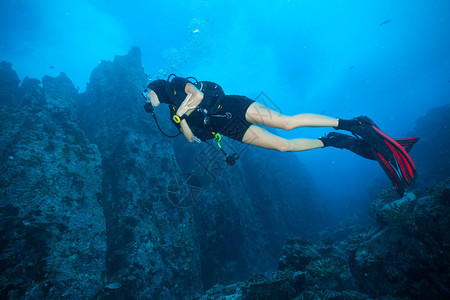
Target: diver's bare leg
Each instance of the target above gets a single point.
(262, 115)
(260, 137)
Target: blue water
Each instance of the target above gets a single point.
(386, 59)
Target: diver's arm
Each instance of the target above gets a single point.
(195, 99)
(186, 130)
(185, 109)
(187, 106)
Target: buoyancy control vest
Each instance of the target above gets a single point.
(173, 93)
(199, 119)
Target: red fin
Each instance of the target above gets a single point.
(404, 155)
(392, 174)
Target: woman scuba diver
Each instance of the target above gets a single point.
(202, 111)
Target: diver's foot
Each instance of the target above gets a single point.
(338, 140)
(356, 125)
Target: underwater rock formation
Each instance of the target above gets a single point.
(245, 212)
(180, 229)
(152, 250)
(9, 84)
(405, 256)
(59, 92)
(51, 222)
(151, 227)
(97, 203)
(432, 152)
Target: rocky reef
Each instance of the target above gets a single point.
(400, 252)
(404, 256)
(51, 221)
(433, 150)
(97, 203)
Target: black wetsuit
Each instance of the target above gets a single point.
(228, 119)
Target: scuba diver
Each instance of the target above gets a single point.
(202, 111)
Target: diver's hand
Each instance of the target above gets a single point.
(186, 105)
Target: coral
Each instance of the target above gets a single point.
(394, 212)
(280, 285)
(297, 254)
(404, 256)
(328, 267)
(332, 294)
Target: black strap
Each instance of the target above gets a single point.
(157, 124)
(190, 77)
(149, 108)
(195, 81)
(169, 77)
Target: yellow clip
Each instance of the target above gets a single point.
(176, 119)
(174, 92)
